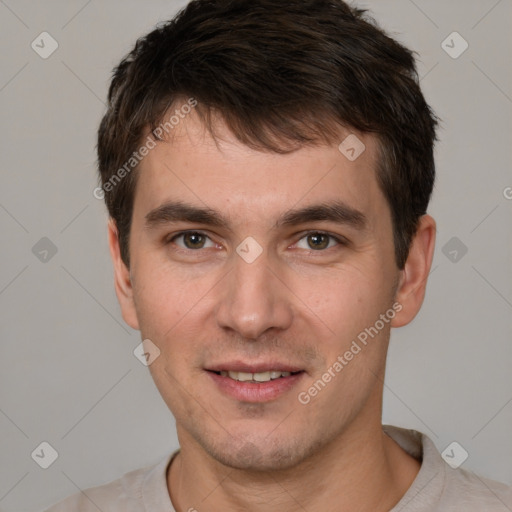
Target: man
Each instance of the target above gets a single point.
(267, 167)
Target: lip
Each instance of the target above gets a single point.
(255, 391)
(241, 366)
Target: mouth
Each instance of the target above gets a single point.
(265, 376)
(255, 383)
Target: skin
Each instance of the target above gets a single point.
(295, 303)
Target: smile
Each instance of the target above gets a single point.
(256, 386)
(255, 377)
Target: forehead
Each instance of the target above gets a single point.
(248, 185)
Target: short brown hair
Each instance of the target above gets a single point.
(281, 74)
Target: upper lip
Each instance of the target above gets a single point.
(241, 366)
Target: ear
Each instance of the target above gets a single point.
(413, 278)
(122, 279)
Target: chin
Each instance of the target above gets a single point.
(259, 455)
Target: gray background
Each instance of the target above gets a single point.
(68, 373)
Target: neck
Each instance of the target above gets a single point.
(362, 470)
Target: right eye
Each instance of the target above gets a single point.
(192, 240)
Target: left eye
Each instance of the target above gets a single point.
(319, 241)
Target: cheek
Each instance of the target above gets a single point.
(163, 297)
(343, 299)
(172, 311)
(157, 308)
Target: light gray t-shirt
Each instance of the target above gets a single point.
(437, 487)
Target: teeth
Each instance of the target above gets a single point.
(242, 376)
(255, 377)
(261, 377)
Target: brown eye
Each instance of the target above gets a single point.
(191, 240)
(318, 241)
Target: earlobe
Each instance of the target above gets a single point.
(122, 278)
(413, 278)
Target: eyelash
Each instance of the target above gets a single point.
(340, 240)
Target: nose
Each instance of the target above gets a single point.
(254, 298)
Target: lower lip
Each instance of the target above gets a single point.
(255, 391)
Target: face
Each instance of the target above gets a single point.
(250, 305)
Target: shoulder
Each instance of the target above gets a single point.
(465, 490)
(439, 487)
(126, 494)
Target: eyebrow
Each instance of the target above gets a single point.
(334, 211)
